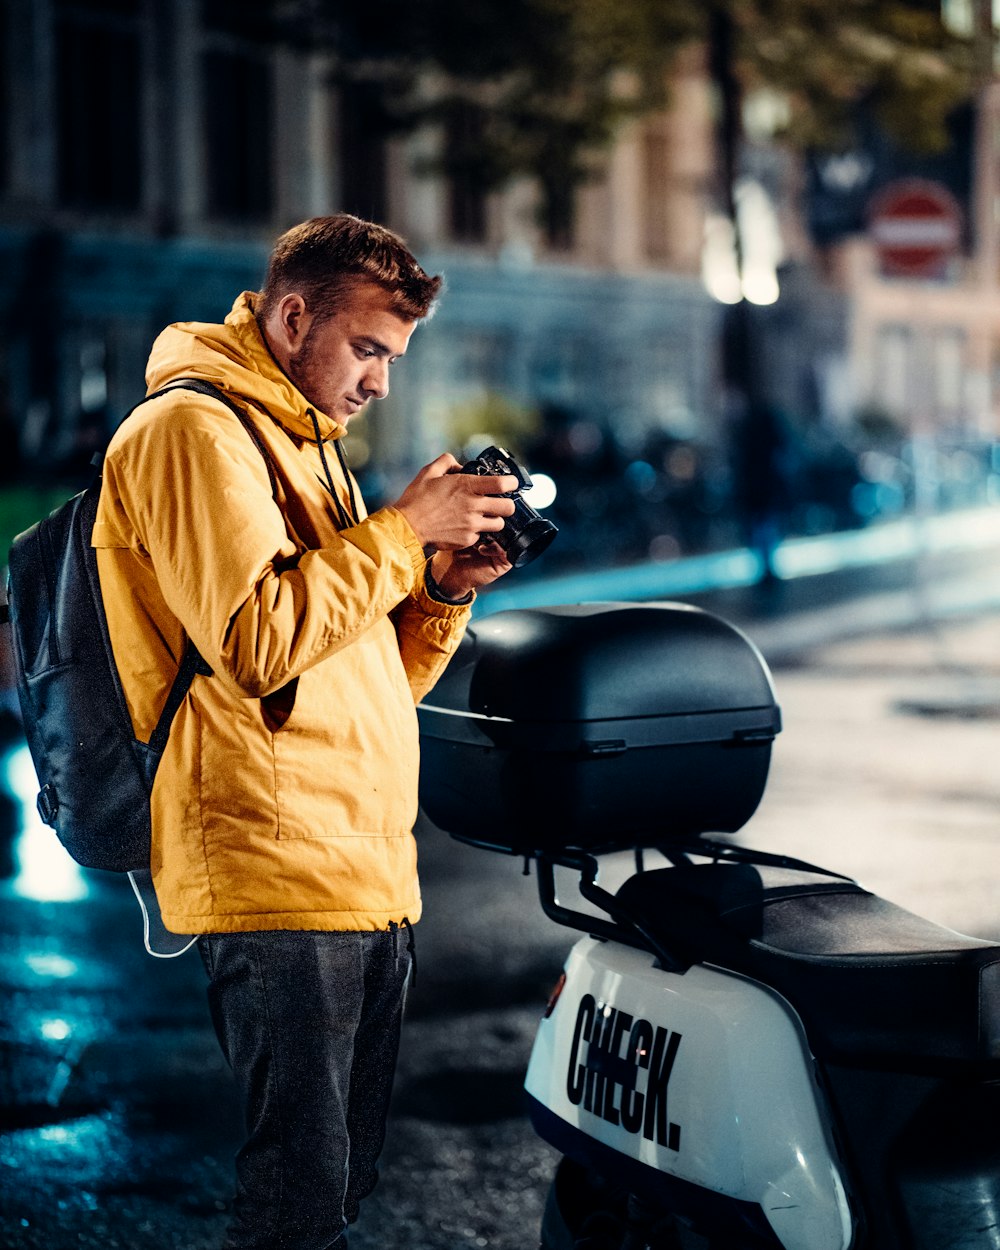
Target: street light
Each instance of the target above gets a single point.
(750, 271)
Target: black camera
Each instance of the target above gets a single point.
(525, 533)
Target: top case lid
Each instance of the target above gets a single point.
(603, 661)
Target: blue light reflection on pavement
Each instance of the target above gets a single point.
(655, 580)
(55, 1029)
(44, 870)
(906, 538)
(51, 966)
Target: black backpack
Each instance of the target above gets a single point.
(96, 777)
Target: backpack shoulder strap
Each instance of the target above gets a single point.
(192, 662)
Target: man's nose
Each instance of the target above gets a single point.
(376, 379)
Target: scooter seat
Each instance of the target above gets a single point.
(869, 980)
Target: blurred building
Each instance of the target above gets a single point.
(152, 149)
(926, 321)
(912, 242)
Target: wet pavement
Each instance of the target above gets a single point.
(115, 1133)
(117, 1124)
(886, 768)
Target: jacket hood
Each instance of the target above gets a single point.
(235, 357)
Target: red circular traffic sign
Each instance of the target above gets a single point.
(916, 226)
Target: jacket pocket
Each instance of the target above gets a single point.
(235, 768)
(346, 759)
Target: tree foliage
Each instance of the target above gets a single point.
(540, 87)
(897, 58)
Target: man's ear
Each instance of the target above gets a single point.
(293, 320)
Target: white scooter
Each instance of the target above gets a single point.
(745, 1051)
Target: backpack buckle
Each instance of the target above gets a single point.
(48, 804)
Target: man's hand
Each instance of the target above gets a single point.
(450, 510)
(458, 572)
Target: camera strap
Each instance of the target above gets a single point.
(346, 520)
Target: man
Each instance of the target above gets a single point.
(284, 803)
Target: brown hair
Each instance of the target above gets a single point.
(321, 258)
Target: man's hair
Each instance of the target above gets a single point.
(322, 258)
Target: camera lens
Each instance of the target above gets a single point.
(525, 534)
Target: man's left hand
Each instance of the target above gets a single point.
(458, 572)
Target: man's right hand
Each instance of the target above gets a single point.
(449, 510)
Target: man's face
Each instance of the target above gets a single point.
(344, 361)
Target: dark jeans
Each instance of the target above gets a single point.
(309, 1023)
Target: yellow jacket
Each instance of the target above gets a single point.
(287, 793)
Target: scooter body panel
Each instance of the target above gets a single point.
(703, 1076)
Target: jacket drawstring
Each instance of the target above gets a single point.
(411, 946)
(345, 520)
(342, 457)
